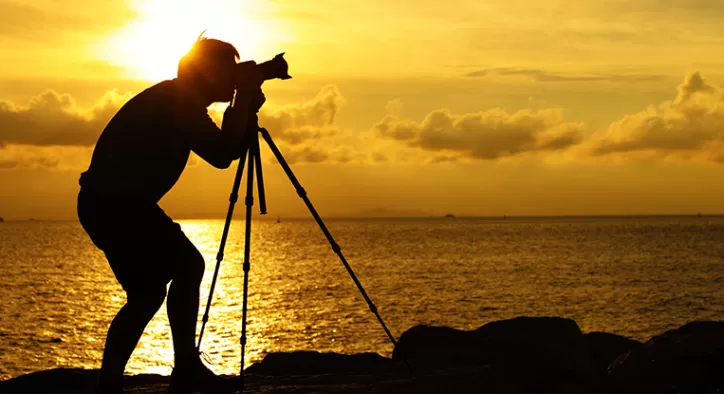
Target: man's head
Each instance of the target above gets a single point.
(209, 67)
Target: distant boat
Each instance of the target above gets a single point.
(449, 215)
(1, 219)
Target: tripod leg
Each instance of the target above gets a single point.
(335, 247)
(233, 197)
(247, 249)
(259, 176)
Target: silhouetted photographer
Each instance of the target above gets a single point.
(138, 158)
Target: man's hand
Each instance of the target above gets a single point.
(249, 79)
(257, 100)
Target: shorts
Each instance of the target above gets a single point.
(144, 247)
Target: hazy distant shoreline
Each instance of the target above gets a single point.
(256, 217)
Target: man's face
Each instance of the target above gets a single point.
(222, 82)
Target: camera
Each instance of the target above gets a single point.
(275, 68)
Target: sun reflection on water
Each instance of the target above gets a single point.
(633, 278)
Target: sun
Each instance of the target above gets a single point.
(150, 47)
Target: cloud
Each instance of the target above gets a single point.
(299, 123)
(305, 132)
(322, 154)
(61, 158)
(484, 135)
(312, 120)
(9, 164)
(690, 126)
(53, 119)
(53, 132)
(394, 106)
(545, 76)
(306, 155)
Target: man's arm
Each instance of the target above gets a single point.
(218, 147)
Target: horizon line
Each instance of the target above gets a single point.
(392, 216)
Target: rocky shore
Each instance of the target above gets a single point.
(521, 355)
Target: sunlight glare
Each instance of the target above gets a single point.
(150, 47)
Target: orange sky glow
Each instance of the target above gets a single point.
(410, 108)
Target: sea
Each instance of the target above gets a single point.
(632, 276)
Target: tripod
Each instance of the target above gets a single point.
(253, 155)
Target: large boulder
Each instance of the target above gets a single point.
(687, 360)
(522, 355)
(605, 348)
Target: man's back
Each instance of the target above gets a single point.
(142, 151)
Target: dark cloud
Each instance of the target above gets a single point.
(692, 125)
(485, 135)
(32, 162)
(445, 159)
(545, 76)
(379, 157)
(53, 119)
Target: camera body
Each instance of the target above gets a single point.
(271, 69)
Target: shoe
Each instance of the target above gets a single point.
(201, 379)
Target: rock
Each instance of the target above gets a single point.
(605, 348)
(525, 354)
(77, 381)
(428, 347)
(316, 363)
(686, 360)
(60, 381)
(81, 381)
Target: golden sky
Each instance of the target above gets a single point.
(475, 107)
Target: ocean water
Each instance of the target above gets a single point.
(631, 276)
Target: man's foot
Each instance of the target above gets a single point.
(201, 379)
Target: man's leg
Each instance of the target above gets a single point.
(183, 307)
(126, 329)
(183, 304)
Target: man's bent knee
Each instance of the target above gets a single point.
(190, 269)
(197, 268)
